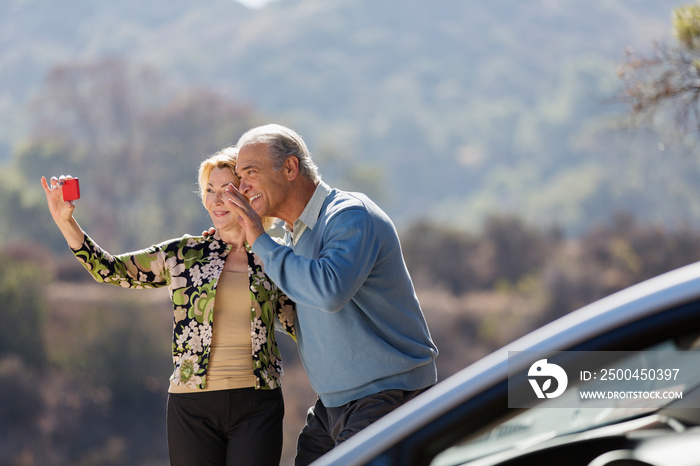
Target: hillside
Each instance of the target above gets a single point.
(84, 367)
(447, 112)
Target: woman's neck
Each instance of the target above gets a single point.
(236, 238)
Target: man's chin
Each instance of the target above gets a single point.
(260, 210)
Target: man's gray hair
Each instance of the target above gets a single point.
(282, 142)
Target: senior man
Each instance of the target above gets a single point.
(361, 333)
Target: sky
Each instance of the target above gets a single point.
(254, 3)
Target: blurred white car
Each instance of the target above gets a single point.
(466, 418)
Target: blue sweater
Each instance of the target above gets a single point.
(359, 326)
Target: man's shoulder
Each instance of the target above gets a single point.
(353, 203)
(339, 200)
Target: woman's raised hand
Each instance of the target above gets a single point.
(60, 209)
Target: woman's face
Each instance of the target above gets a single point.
(221, 215)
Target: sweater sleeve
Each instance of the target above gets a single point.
(347, 254)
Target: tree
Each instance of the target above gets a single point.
(134, 140)
(24, 277)
(506, 251)
(666, 85)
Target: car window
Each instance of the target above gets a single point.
(568, 413)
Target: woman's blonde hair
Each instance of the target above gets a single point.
(223, 159)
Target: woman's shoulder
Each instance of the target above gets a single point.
(190, 242)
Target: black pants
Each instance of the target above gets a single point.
(327, 427)
(227, 427)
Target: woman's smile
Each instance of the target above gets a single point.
(214, 200)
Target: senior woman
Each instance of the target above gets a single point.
(225, 404)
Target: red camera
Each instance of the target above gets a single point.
(71, 189)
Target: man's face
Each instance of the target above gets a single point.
(265, 187)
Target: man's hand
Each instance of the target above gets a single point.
(248, 218)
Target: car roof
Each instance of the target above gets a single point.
(645, 299)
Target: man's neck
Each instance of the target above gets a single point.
(300, 197)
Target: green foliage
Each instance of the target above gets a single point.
(136, 149)
(613, 256)
(22, 218)
(686, 25)
(23, 282)
(661, 90)
(445, 113)
(122, 345)
(405, 92)
(21, 407)
(506, 250)
(512, 258)
(102, 398)
(104, 395)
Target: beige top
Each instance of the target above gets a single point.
(231, 361)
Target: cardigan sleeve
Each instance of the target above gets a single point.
(139, 269)
(286, 316)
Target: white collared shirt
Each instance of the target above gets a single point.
(309, 216)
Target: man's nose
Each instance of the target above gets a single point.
(243, 187)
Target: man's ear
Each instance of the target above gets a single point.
(291, 167)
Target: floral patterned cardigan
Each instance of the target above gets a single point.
(190, 267)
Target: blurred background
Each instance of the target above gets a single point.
(534, 155)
